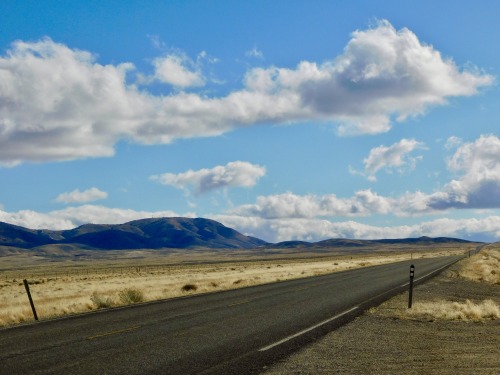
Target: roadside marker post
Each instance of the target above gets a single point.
(27, 287)
(412, 275)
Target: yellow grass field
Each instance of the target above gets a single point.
(68, 287)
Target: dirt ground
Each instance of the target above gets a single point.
(387, 340)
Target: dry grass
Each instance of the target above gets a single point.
(447, 310)
(92, 285)
(482, 267)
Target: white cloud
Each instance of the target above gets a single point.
(393, 157)
(233, 174)
(478, 186)
(382, 73)
(289, 205)
(58, 103)
(178, 70)
(77, 196)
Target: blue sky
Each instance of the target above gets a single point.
(283, 119)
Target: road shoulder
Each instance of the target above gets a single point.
(385, 340)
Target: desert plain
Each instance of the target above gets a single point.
(65, 281)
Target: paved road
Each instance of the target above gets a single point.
(237, 331)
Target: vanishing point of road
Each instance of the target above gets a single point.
(233, 332)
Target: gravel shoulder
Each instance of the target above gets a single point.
(386, 340)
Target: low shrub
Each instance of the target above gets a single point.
(189, 288)
(131, 295)
(100, 301)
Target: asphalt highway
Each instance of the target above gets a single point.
(233, 332)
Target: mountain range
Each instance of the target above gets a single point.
(173, 232)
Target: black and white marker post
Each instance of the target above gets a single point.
(412, 275)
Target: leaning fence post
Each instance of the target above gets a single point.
(26, 286)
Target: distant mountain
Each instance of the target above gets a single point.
(291, 244)
(343, 242)
(423, 240)
(175, 232)
(13, 235)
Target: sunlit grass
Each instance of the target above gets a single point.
(483, 267)
(446, 310)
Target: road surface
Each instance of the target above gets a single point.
(233, 332)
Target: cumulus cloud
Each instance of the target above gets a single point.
(477, 187)
(392, 157)
(382, 73)
(58, 103)
(77, 196)
(289, 205)
(233, 174)
(178, 70)
(478, 163)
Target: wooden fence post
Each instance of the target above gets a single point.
(26, 286)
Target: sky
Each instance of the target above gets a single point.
(286, 120)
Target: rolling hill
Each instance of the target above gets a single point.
(175, 232)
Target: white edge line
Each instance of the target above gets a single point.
(306, 330)
(430, 273)
(333, 318)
